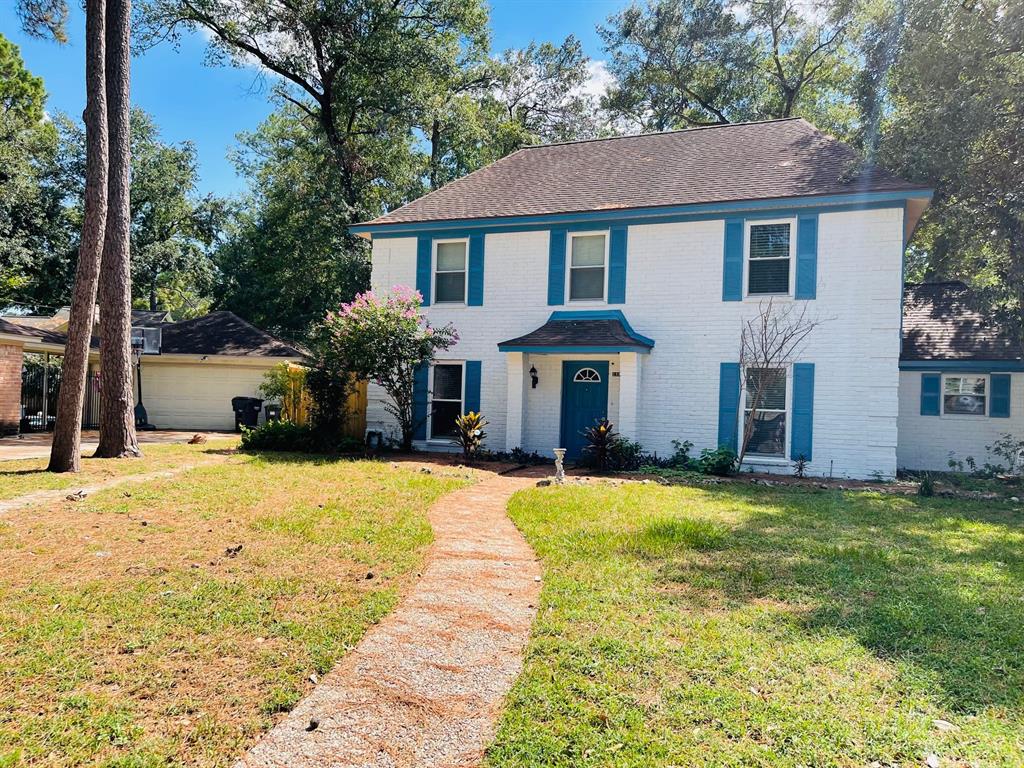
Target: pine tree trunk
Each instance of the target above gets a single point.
(65, 453)
(117, 413)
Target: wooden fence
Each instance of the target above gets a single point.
(296, 405)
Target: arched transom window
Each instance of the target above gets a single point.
(586, 376)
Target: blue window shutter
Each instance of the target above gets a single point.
(424, 255)
(732, 275)
(807, 256)
(999, 405)
(475, 296)
(420, 396)
(472, 387)
(617, 266)
(803, 411)
(931, 387)
(728, 404)
(556, 267)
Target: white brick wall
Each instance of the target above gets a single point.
(674, 295)
(926, 441)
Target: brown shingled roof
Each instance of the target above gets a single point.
(940, 322)
(739, 161)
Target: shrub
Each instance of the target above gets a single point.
(386, 340)
(717, 461)
(800, 466)
(469, 432)
(299, 438)
(285, 384)
(601, 442)
(681, 454)
(927, 486)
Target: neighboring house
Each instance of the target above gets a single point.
(961, 379)
(611, 278)
(188, 380)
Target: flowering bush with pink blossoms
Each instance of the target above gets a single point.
(385, 339)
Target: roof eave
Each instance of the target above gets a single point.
(900, 196)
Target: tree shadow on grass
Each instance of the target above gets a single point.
(937, 584)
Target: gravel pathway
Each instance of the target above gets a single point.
(425, 686)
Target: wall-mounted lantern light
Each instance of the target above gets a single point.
(533, 375)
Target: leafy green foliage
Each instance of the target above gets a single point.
(469, 433)
(385, 340)
(717, 461)
(602, 440)
(284, 435)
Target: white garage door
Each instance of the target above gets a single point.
(196, 396)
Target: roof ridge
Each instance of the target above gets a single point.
(691, 129)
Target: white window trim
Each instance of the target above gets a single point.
(969, 416)
(465, 271)
(430, 400)
(603, 301)
(746, 257)
(767, 458)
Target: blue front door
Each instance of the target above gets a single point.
(584, 401)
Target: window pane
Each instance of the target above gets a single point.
(966, 403)
(447, 382)
(442, 422)
(588, 251)
(451, 256)
(769, 435)
(974, 385)
(768, 276)
(769, 241)
(451, 286)
(586, 283)
(772, 384)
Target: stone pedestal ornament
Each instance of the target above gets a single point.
(559, 469)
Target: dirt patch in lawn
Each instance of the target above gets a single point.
(175, 620)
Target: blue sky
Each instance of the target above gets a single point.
(210, 105)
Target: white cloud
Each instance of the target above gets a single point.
(599, 79)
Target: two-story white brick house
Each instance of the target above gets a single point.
(612, 277)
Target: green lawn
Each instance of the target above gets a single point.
(762, 627)
(130, 636)
(23, 476)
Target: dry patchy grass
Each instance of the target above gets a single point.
(131, 636)
(23, 476)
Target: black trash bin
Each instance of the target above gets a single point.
(273, 412)
(247, 411)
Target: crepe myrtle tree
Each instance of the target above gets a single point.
(772, 340)
(385, 339)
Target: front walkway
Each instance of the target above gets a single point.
(425, 686)
(37, 445)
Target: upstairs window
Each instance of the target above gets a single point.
(769, 256)
(768, 437)
(965, 395)
(445, 399)
(450, 272)
(587, 260)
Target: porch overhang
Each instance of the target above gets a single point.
(582, 332)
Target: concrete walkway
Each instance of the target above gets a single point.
(425, 686)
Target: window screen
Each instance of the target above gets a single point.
(768, 437)
(964, 394)
(446, 399)
(768, 265)
(450, 277)
(586, 268)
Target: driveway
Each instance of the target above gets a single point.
(36, 446)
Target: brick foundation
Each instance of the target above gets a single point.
(10, 388)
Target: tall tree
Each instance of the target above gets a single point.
(117, 415)
(680, 63)
(30, 215)
(65, 453)
(353, 67)
(953, 117)
(290, 234)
